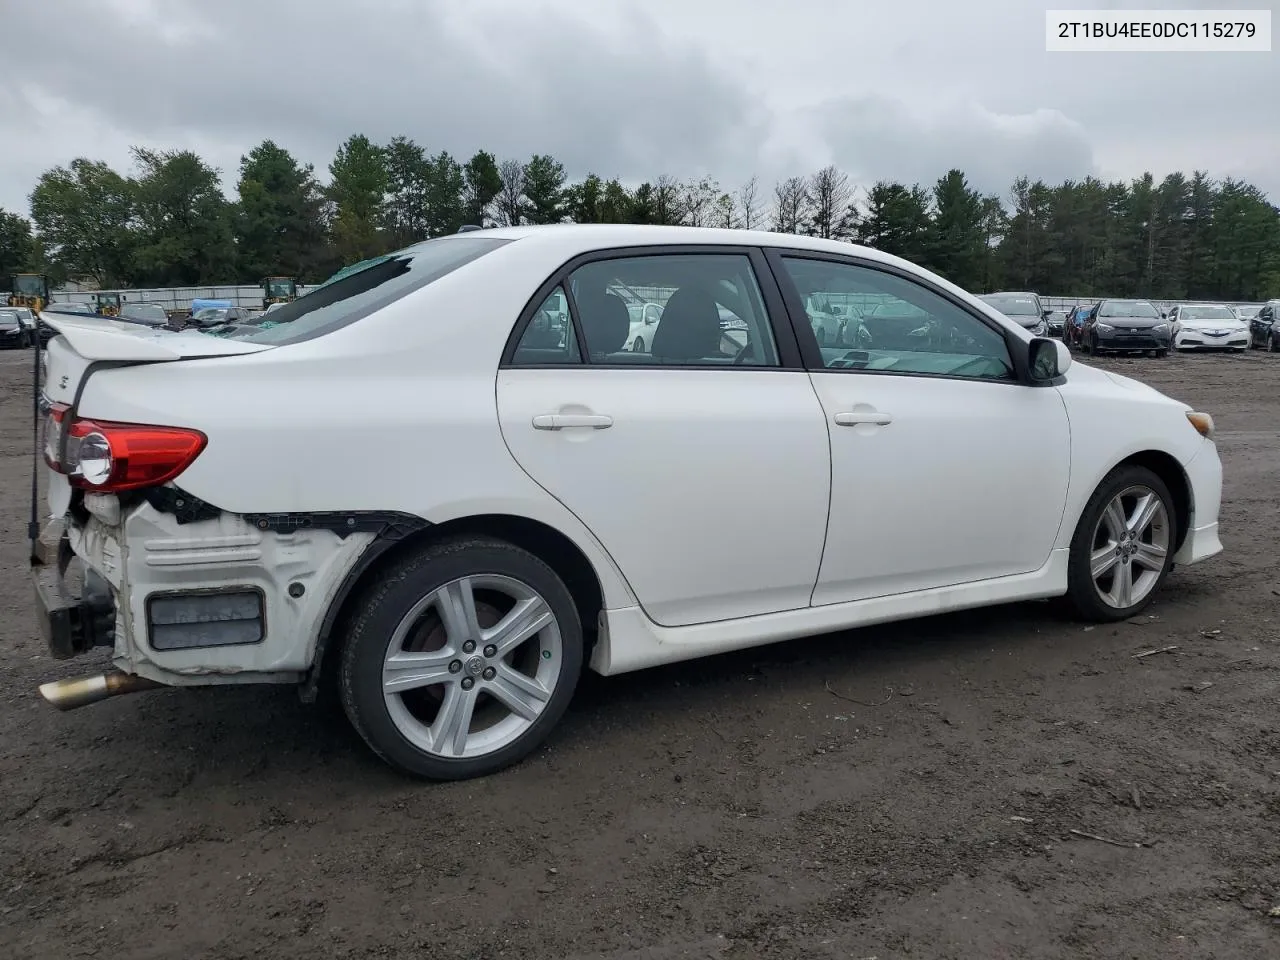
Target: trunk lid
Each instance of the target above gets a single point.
(86, 341)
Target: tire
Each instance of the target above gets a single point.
(1161, 354)
(637, 345)
(405, 604)
(1271, 344)
(1085, 593)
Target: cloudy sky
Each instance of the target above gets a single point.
(899, 89)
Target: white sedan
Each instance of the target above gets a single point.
(1214, 326)
(454, 518)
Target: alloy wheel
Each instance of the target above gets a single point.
(471, 666)
(1130, 547)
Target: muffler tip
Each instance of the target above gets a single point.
(82, 691)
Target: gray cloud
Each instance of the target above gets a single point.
(878, 138)
(631, 89)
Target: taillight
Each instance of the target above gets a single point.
(109, 457)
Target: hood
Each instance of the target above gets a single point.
(1216, 323)
(1030, 321)
(1132, 323)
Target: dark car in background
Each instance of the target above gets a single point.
(147, 314)
(1073, 326)
(209, 317)
(13, 332)
(1264, 328)
(1126, 326)
(1056, 321)
(1022, 308)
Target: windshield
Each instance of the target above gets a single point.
(279, 288)
(29, 286)
(1012, 306)
(1207, 313)
(8, 317)
(1129, 308)
(352, 294)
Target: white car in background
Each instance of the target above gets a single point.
(453, 516)
(644, 324)
(1208, 326)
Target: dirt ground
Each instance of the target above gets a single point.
(924, 790)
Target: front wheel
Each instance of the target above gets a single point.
(1122, 547)
(637, 345)
(1271, 344)
(1161, 354)
(24, 341)
(461, 659)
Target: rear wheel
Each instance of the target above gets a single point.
(1271, 344)
(1122, 546)
(637, 345)
(461, 659)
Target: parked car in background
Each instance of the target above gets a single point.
(13, 331)
(1264, 328)
(216, 316)
(1056, 321)
(1074, 324)
(146, 314)
(1024, 308)
(644, 324)
(454, 519)
(1126, 326)
(1246, 313)
(1207, 326)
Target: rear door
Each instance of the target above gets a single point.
(703, 467)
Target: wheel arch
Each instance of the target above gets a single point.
(548, 544)
(1169, 469)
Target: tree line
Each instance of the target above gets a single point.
(168, 222)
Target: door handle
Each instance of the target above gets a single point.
(559, 421)
(853, 419)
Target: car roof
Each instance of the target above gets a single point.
(603, 235)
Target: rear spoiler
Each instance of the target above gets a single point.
(101, 338)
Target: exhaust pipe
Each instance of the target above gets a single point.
(82, 691)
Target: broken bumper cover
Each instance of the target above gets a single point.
(75, 609)
(207, 602)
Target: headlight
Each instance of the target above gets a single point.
(1103, 327)
(1161, 328)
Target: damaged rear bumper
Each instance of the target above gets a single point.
(214, 601)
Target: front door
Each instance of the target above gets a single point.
(945, 470)
(700, 464)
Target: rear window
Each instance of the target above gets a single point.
(357, 291)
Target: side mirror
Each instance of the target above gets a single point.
(1047, 314)
(1047, 359)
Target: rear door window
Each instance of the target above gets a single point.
(361, 289)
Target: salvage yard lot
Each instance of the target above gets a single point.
(905, 791)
